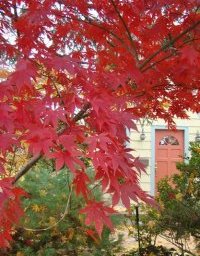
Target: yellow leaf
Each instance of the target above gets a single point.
(70, 233)
(179, 196)
(64, 196)
(64, 239)
(36, 208)
(152, 254)
(20, 254)
(151, 224)
(4, 73)
(55, 232)
(52, 221)
(43, 193)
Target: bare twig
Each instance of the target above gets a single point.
(16, 18)
(157, 62)
(66, 211)
(174, 243)
(134, 52)
(98, 25)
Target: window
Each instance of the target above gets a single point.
(169, 140)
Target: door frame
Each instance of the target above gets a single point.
(154, 128)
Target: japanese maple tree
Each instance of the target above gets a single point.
(80, 74)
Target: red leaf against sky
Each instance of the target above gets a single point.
(23, 76)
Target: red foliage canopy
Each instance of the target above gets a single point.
(82, 72)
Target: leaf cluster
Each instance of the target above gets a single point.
(41, 233)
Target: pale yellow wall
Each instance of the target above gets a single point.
(143, 148)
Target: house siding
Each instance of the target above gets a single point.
(145, 149)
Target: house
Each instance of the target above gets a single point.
(159, 148)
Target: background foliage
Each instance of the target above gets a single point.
(44, 231)
(177, 215)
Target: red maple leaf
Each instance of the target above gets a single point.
(24, 74)
(67, 158)
(80, 181)
(41, 140)
(93, 235)
(10, 209)
(190, 54)
(7, 141)
(98, 215)
(78, 79)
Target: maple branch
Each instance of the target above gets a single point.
(91, 22)
(170, 55)
(171, 42)
(35, 159)
(16, 18)
(157, 62)
(167, 238)
(127, 31)
(26, 167)
(80, 114)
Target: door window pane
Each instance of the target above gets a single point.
(169, 140)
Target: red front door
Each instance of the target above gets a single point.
(169, 150)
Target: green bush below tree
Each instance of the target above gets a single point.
(52, 224)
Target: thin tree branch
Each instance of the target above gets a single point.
(26, 167)
(168, 56)
(66, 211)
(16, 18)
(171, 42)
(93, 21)
(80, 114)
(127, 31)
(97, 24)
(35, 159)
(157, 62)
(174, 243)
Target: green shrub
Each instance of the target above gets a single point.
(177, 217)
(50, 192)
(148, 228)
(179, 198)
